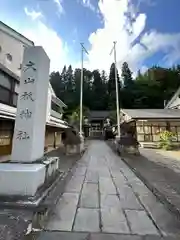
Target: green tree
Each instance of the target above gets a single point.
(147, 90)
(70, 88)
(63, 77)
(74, 118)
(111, 88)
(126, 76)
(98, 91)
(57, 84)
(87, 89)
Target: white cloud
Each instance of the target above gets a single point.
(54, 46)
(44, 36)
(88, 4)
(123, 23)
(33, 14)
(143, 69)
(152, 43)
(59, 6)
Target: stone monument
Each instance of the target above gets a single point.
(28, 171)
(28, 140)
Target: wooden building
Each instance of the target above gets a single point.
(150, 122)
(96, 121)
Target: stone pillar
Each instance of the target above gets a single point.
(29, 132)
(24, 181)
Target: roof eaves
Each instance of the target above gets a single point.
(126, 113)
(58, 101)
(9, 72)
(173, 98)
(19, 34)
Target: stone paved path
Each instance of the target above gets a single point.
(105, 196)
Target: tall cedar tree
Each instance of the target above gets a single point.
(126, 75)
(147, 90)
(112, 88)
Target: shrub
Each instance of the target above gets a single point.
(166, 140)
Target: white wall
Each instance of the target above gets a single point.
(48, 110)
(12, 43)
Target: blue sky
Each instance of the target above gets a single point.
(147, 31)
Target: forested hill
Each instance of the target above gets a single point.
(148, 90)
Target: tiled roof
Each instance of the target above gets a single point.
(98, 114)
(152, 113)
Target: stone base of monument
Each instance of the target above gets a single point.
(27, 184)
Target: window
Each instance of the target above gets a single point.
(140, 129)
(15, 98)
(7, 91)
(147, 129)
(4, 95)
(9, 57)
(55, 107)
(148, 138)
(5, 81)
(178, 133)
(155, 129)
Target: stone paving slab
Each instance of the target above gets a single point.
(114, 221)
(128, 199)
(153, 237)
(44, 235)
(79, 171)
(109, 236)
(104, 172)
(87, 220)
(165, 221)
(92, 176)
(118, 175)
(89, 201)
(150, 173)
(89, 188)
(106, 186)
(102, 178)
(75, 184)
(62, 236)
(140, 223)
(89, 196)
(110, 201)
(159, 177)
(65, 212)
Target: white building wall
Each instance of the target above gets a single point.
(12, 43)
(48, 110)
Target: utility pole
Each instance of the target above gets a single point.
(117, 90)
(81, 86)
